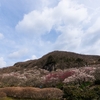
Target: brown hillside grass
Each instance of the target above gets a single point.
(32, 93)
(2, 94)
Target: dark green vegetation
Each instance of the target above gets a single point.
(78, 93)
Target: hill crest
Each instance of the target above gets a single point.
(60, 60)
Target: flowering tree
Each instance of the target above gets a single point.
(72, 75)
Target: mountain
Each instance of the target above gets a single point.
(60, 60)
(57, 60)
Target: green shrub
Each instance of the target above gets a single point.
(97, 90)
(97, 74)
(89, 95)
(85, 85)
(60, 85)
(72, 92)
(77, 93)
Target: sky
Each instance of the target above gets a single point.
(30, 29)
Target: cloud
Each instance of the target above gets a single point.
(1, 36)
(67, 18)
(2, 62)
(92, 49)
(32, 58)
(95, 27)
(91, 38)
(18, 54)
(41, 22)
(69, 39)
(35, 22)
(92, 34)
(78, 29)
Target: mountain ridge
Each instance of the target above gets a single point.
(58, 60)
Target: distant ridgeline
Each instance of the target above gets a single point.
(60, 60)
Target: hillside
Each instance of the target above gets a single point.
(60, 59)
(74, 74)
(56, 60)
